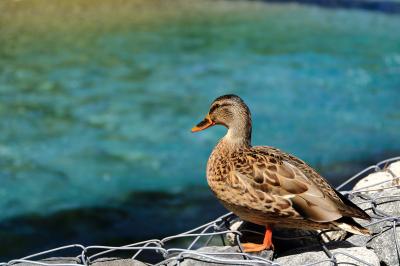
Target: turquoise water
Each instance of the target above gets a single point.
(90, 119)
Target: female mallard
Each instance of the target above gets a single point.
(266, 186)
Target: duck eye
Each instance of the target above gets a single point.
(215, 106)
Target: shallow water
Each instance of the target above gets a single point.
(95, 109)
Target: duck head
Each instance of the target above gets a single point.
(231, 112)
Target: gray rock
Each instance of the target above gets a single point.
(342, 252)
(53, 260)
(359, 240)
(215, 252)
(383, 239)
(342, 255)
(117, 262)
(98, 262)
(380, 180)
(394, 168)
(384, 245)
(386, 205)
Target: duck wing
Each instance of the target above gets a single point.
(268, 173)
(347, 207)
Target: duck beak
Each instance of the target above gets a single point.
(206, 123)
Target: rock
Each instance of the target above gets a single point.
(310, 255)
(385, 209)
(342, 251)
(329, 236)
(53, 260)
(394, 168)
(377, 181)
(382, 242)
(385, 247)
(358, 240)
(235, 226)
(214, 252)
(117, 262)
(98, 262)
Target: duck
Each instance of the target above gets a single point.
(269, 187)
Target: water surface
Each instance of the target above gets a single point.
(96, 108)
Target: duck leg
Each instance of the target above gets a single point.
(267, 243)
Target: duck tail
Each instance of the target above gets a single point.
(355, 211)
(348, 224)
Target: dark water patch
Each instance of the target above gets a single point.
(142, 216)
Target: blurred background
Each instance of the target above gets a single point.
(97, 99)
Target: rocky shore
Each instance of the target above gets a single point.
(378, 193)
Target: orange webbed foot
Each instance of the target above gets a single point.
(251, 247)
(267, 243)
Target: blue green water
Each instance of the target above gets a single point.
(90, 117)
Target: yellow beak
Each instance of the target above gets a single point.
(206, 123)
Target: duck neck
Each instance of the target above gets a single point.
(238, 135)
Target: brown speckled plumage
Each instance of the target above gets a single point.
(266, 186)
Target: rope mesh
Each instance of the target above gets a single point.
(214, 233)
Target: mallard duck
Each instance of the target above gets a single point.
(269, 187)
